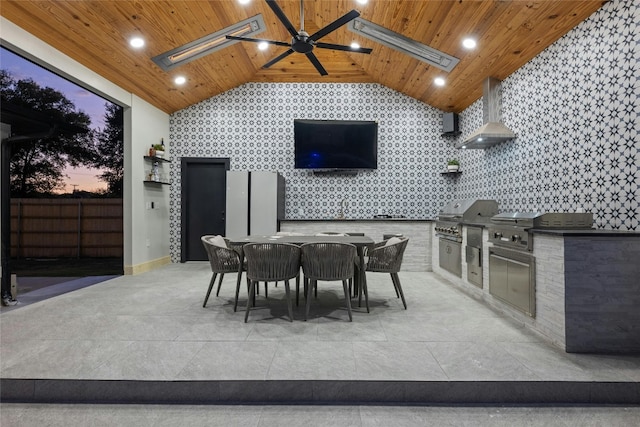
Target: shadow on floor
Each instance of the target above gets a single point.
(42, 278)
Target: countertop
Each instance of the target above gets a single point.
(358, 220)
(587, 233)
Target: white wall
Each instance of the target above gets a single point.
(144, 124)
(149, 227)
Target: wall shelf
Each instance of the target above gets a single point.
(156, 161)
(146, 181)
(454, 173)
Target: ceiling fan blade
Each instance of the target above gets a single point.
(278, 58)
(282, 17)
(343, 47)
(316, 63)
(335, 25)
(246, 39)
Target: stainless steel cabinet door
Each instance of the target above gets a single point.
(498, 279)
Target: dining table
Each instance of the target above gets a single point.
(360, 242)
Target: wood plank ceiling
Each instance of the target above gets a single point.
(96, 33)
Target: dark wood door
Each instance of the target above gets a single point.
(204, 189)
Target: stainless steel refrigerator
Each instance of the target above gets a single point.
(255, 203)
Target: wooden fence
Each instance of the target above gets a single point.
(66, 228)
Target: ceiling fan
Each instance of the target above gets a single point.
(301, 41)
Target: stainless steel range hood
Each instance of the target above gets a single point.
(492, 132)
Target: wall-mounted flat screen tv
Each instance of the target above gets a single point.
(335, 144)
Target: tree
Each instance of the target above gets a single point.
(110, 147)
(37, 165)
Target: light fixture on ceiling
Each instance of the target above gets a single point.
(439, 81)
(180, 80)
(469, 43)
(136, 42)
(355, 45)
(209, 44)
(244, 1)
(263, 45)
(403, 44)
(362, 1)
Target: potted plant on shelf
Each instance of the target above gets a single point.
(159, 150)
(453, 165)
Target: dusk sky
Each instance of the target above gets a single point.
(91, 104)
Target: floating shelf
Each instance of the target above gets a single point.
(451, 173)
(146, 181)
(157, 159)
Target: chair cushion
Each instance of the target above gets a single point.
(218, 241)
(393, 241)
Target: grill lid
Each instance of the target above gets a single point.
(548, 220)
(516, 218)
(469, 210)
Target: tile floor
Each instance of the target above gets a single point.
(65, 415)
(152, 327)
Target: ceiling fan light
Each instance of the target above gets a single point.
(209, 44)
(403, 44)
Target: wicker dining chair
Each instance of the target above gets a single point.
(386, 257)
(271, 262)
(327, 262)
(222, 260)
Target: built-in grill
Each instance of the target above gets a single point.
(512, 229)
(449, 229)
(511, 263)
(451, 217)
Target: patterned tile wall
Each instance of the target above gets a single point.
(574, 109)
(253, 126)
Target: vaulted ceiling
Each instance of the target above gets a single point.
(95, 33)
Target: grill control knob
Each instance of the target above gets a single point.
(516, 238)
(497, 235)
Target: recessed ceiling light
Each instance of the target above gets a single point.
(244, 1)
(136, 42)
(263, 45)
(180, 80)
(469, 43)
(362, 1)
(355, 45)
(439, 81)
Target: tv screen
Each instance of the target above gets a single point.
(335, 144)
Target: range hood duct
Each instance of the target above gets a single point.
(492, 131)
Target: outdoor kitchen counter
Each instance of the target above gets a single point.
(587, 289)
(586, 233)
(417, 256)
(598, 274)
(356, 219)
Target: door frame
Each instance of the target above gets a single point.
(184, 184)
